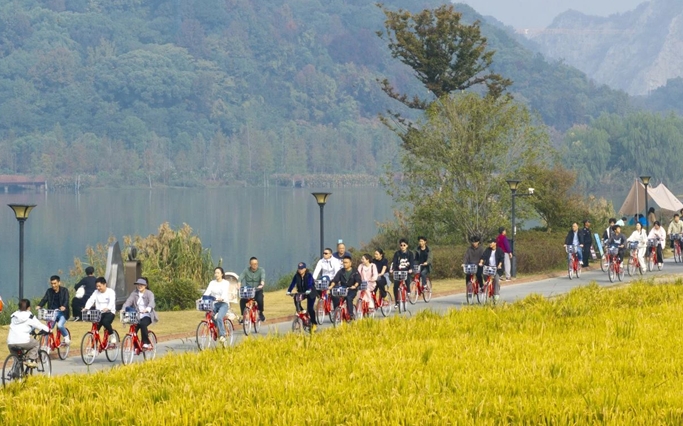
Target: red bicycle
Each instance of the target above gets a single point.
(652, 258)
(615, 269)
(363, 309)
(324, 304)
(417, 289)
(486, 290)
(573, 263)
(131, 345)
(51, 341)
(678, 257)
(207, 332)
(341, 313)
(401, 277)
(470, 271)
(302, 321)
(633, 260)
(92, 345)
(385, 304)
(250, 317)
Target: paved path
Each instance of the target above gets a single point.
(509, 293)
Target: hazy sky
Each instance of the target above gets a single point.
(540, 13)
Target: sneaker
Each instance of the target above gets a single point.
(241, 321)
(496, 297)
(30, 363)
(261, 316)
(660, 264)
(112, 339)
(66, 341)
(222, 339)
(146, 347)
(76, 319)
(396, 306)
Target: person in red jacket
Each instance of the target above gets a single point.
(503, 244)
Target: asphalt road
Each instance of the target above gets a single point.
(509, 293)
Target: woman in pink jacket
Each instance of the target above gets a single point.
(368, 272)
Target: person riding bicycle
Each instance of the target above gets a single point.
(574, 239)
(658, 233)
(142, 301)
(675, 227)
(349, 278)
(403, 261)
(494, 256)
(304, 284)
(368, 273)
(219, 289)
(639, 236)
(424, 257)
(382, 266)
(472, 257)
(57, 298)
(104, 300)
(618, 240)
(254, 276)
(22, 323)
(328, 266)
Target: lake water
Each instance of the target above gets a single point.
(280, 226)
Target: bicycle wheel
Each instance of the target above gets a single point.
(427, 290)
(387, 305)
(113, 350)
(577, 271)
(412, 297)
(677, 253)
(127, 350)
(229, 332)
(570, 270)
(63, 349)
(257, 322)
(483, 293)
(45, 343)
(620, 271)
(11, 370)
(297, 326)
(246, 321)
(359, 309)
(44, 367)
(631, 266)
(203, 336)
(89, 348)
(660, 265)
(150, 354)
(604, 265)
(611, 273)
(337, 315)
(651, 262)
(320, 311)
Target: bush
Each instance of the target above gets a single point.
(175, 295)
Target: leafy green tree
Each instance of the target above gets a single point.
(445, 54)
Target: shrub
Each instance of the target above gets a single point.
(177, 294)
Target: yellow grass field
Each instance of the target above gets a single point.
(607, 356)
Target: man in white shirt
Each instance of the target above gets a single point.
(104, 299)
(19, 338)
(328, 266)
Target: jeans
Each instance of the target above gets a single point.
(60, 320)
(220, 309)
(142, 326)
(424, 271)
(579, 252)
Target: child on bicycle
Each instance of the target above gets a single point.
(19, 338)
(142, 300)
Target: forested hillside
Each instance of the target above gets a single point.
(225, 91)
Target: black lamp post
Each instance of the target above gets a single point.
(321, 199)
(513, 187)
(646, 182)
(21, 211)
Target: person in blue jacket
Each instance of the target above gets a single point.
(303, 281)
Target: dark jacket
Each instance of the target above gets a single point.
(569, 241)
(422, 256)
(585, 238)
(402, 261)
(500, 257)
(303, 284)
(54, 300)
(472, 255)
(340, 278)
(90, 285)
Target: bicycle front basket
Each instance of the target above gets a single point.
(490, 271)
(205, 305)
(469, 269)
(340, 291)
(363, 285)
(633, 245)
(614, 251)
(128, 317)
(322, 285)
(571, 249)
(92, 315)
(400, 275)
(46, 314)
(247, 292)
(651, 242)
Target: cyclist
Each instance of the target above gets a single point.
(328, 266)
(574, 239)
(57, 298)
(368, 273)
(472, 257)
(640, 235)
(403, 261)
(494, 256)
(303, 281)
(104, 300)
(658, 233)
(142, 300)
(254, 276)
(382, 266)
(424, 257)
(19, 337)
(618, 240)
(346, 277)
(219, 289)
(675, 227)
(341, 252)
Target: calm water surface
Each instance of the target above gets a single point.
(280, 226)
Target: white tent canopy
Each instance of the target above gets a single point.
(659, 195)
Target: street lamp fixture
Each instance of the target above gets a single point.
(646, 182)
(321, 199)
(21, 212)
